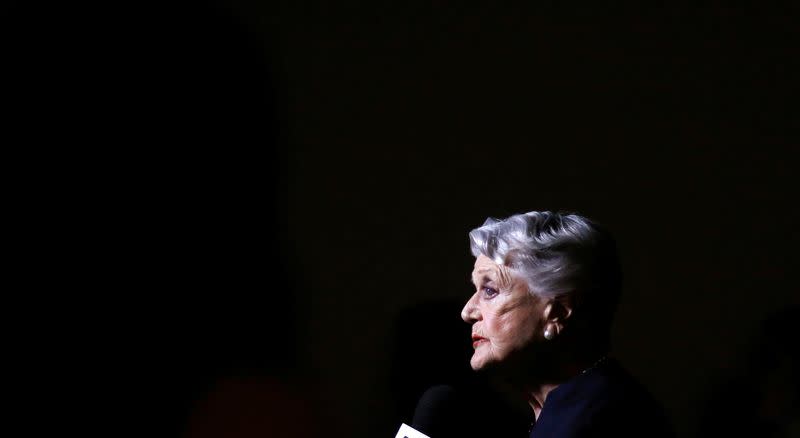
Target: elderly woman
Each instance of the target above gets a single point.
(546, 288)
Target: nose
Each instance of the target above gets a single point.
(470, 312)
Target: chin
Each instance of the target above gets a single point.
(481, 362)
(476, 363)
(494, 364)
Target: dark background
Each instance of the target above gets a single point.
(266, 204)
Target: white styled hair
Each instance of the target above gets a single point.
(558, 255)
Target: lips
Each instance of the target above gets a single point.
(477, 340)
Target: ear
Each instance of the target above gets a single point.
(557, 314)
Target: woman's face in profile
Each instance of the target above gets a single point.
(505, 317)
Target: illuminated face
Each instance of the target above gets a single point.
(505, 317)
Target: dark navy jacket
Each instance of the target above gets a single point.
(603, 401)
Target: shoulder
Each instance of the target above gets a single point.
(605, 400)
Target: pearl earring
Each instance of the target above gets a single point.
(548, 334)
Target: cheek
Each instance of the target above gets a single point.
(511, 328)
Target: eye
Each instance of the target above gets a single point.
(489, 292)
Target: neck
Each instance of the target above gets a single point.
(537, 386)
(538, 395)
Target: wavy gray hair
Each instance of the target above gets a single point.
(558, 255)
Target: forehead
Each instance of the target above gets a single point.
(485, 266)
(483, 263)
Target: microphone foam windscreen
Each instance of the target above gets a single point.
(440, 413)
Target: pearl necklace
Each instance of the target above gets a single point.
(595, 365)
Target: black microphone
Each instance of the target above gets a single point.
(442, 413)
(469, 410)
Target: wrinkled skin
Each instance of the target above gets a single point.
(506, 319)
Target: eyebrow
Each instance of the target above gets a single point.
(484, 277)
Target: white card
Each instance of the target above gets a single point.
(407, 431)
